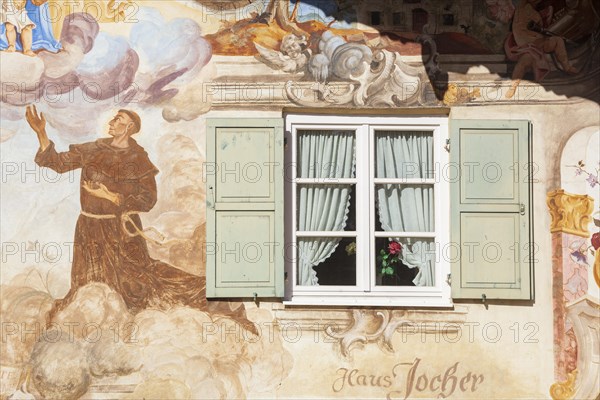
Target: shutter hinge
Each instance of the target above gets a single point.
(449, 280)
(447, 146)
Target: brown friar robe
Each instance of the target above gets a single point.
(111, 251)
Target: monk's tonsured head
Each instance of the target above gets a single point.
(125, 122)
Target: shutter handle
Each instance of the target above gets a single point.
(522, 209)
(212, 195)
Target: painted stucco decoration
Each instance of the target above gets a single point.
(571, 213)
(584, 313)
(376, 77)
(380, 326)
(564, 390)
(384, 82)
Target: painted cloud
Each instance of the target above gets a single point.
(97, 71)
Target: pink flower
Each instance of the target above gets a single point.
(394, 248)
(596, 240)
(592, 180)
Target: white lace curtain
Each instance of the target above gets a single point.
(408, 208)
(322, 207)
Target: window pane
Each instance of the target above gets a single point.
(376, 18)
(326, 154)
(398, 18)
(326, 262)
(405, 155)
(326, 208)
(404, 208)
(405, 261)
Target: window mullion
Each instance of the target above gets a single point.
(370, 191)
(361, 245)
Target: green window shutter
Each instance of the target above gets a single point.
(244, 208)
(491, 210)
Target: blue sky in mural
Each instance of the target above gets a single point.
(325, 11)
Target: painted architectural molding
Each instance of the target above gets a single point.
(571, 213)
(564, 390)
(245, 82)
(584, 314)
(384, 82)
(362, 326)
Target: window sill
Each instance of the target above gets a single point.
(370, 301)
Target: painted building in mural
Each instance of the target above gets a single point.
(300, 199)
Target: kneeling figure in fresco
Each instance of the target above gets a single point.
(117, 183)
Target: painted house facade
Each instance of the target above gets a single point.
(300, 199)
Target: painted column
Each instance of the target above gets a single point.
(571, 215)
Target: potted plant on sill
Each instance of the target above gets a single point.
(389, 262)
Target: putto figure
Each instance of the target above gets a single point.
(26, 25)
(15, 19)
(291, 57)
(528, 46)
(117, 183)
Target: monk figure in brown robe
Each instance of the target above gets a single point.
(117, 183)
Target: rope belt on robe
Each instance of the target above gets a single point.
(125, 218)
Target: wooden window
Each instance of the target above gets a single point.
(327, 212)
(343, 261)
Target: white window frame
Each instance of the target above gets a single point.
(365, 293)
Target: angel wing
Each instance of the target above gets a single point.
(276, 59)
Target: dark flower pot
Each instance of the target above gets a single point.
(390, 280)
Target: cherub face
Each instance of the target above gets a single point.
(292, 45)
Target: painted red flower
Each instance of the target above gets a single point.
(394, 248)
(596, 240)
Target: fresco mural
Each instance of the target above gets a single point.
(109, 301)
(575, 279)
